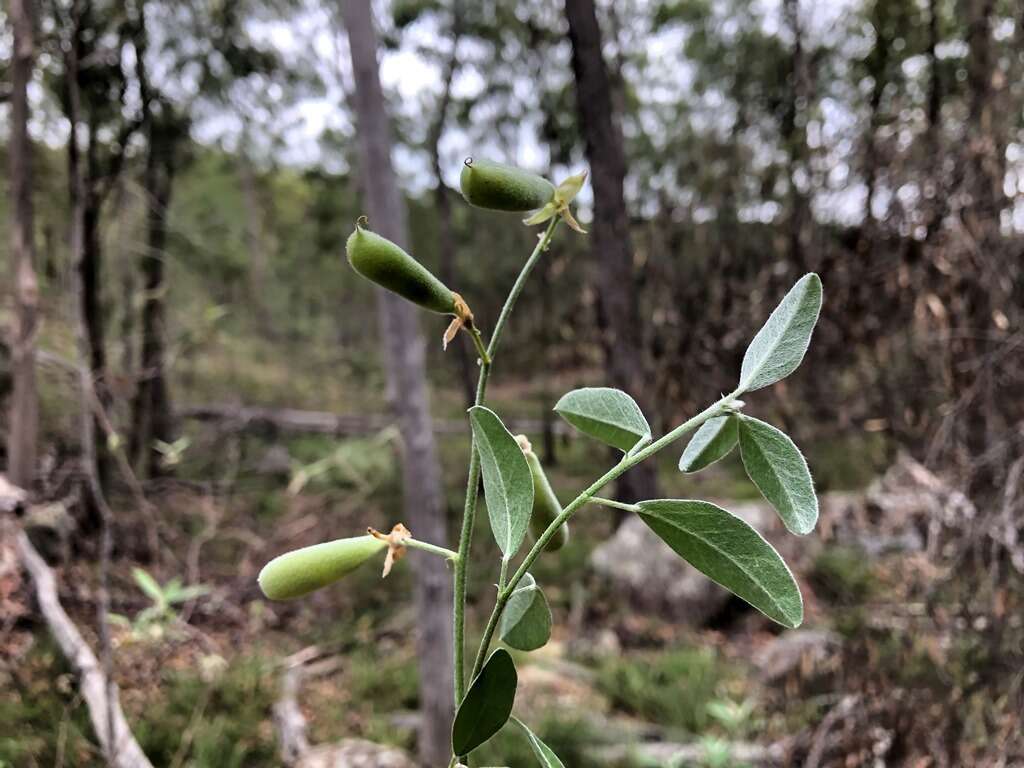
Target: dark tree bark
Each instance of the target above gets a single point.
(403, 348)
(96, 170)
(24, 424)
(152, 413)
(618, 307)
(794, 135)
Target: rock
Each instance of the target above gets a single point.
(652, 577)
(797, 649)
(355, 753)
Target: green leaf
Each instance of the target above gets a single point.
(526, 620)
(508, 484)
(728, 551)
(609, 415)
(776, 466)
(148, 585)
(487, 705)
(713, 441)
(545, 756)
(779, 346)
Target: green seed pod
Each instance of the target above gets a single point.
(378, 259)
(546, 506)
(503, 187)
(302, 571)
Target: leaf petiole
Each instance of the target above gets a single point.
(615, 504)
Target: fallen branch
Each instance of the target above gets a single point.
(288, 717)
(96, 690)
(240, 417)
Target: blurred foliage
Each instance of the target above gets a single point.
(672, 687)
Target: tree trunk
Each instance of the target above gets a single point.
(24, 424)
(618, 307)
(152, 414)
(403, 349)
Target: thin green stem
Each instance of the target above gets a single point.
(473, 481)
(627, 462)
(503, 576)
(478, 342)
(433, 549)
(614, 504)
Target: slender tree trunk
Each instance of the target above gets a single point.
(21, 447)
(794, 134)
(152, 416)
(618, 307)
(403, 349)
(152, 413)
(980, 286)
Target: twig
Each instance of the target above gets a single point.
(100, 694)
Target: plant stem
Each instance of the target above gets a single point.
(614, 504)
(503, 576)
(478, 342)
(433, 549)
(627, 462)
(473, 482)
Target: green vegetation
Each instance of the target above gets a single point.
(673, 687)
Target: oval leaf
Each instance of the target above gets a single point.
(777, 468)
(609, 415)
(728, 551)
(526, 620)
(779, 346)
(545, 756)
(508, 484)
(713, 441)
(487, 705)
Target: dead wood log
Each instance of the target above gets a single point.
(96, 690)
(255, 418)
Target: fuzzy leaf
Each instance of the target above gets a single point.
(526, 620)
(487, 705)
(777, 468)
(609, 415)
(779, 346)
(728, 551)
(545, 756)
(713, 441)
(508, 484)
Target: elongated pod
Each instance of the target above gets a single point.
(302, 571)
(383, 262)
(546, 506)
(500, 187)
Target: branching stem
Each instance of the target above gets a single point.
(628, 461)
(473, 482)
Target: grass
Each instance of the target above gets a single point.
(672, 688)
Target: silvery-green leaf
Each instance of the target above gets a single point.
(508, 484)
(487, 705)
(526, 620)
(728, 551)
(779, 346)
(545, 756)
(713, 441)
(607, 414)
(777, 468)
